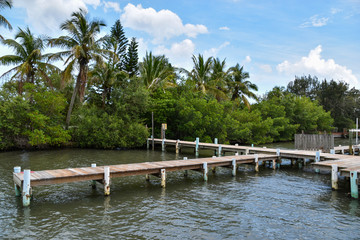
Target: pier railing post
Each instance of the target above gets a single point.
(246, 151)
(186, 173)
(26, 188)
(17, 188)
(354, 184)
(219, 151)
(93, 182)
(106, 181)
(163, 178)
(256, 162)
(334, 177)
(234, 167)
(237, 152)
(197, 146)
(205, 171)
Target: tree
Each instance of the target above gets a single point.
(28, 58)
(131, 59)
(219, 78)
(116, 43)
(200, 75)
(81, 47)
(239, 87)
(156, 71)
(304, 86)
(3, 21)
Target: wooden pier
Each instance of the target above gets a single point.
(338, 164)
(24, 181)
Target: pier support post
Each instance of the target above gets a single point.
(300, 162)
(147, 177)
(205, 171)
(26, 188)
(215, 142)
(332, 151)
(278, 164)
(317, 159)
(93, 182)
(163, 178)
(219, 151)
(147, 144)
(186, 173)
(106, 181)
(177, 147)
(237, 152)
(274, 164)
(256, 163)
(163, 145)
(334, 177)
(213, 169)
(234, 167)
(246, 151)
(197, 147)
(354, 185)
(17, 188)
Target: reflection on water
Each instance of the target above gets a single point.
(289, 203)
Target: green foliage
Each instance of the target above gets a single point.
(35, 120)
(131, 58)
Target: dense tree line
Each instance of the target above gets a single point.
(104, 97)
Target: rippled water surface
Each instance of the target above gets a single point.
(289, 203)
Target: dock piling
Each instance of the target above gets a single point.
(163, 145)
(215, 142)
(278, 164)
(26, 188)
(163, 178)
(317, 159)
(93, 182)
(213, 169)
(256, 163)
(177, 147)
(205, 171)
(234, 167)
(197, 147)
(354, 184)
(219, 151)
(334, 177)
(186, 173)
(106, 181)
(17, 188)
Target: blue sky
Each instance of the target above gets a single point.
(274, 40)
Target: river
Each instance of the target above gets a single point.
(289, 203)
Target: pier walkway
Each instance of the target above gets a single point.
(27, 179)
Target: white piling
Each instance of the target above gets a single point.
(26, 188)
(334, 177)
(106, 181)
(163, 178)
(332, 151)
(219, 151)
(256, 163)
(234, 167)
(186, 173)
(205, 171)
(177, 146)
(93, 182)
(17, 188)
(317, 159)
(197, 146)
(163, 145)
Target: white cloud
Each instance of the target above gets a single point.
(111, 5)
(179, 54)
(94, 3)
(161, 25)
(313, 64)
(315, 21)
(266, 68)
(247, 59)
(225, 28)
(46, 16)
(212, 52)
(335, 10)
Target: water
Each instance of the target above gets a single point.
(289, 203)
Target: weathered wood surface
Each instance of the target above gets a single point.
(345, 163)
(48, 177)
(314, 142)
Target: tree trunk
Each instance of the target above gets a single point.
(83, 79)
(71, 106)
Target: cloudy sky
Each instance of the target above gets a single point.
(274, 40)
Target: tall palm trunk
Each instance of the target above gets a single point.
(83, 79)
(72, 101)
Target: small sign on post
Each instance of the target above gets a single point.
(163, 129)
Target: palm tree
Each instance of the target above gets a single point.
(104, 76)
(239, 87)
(3, 21)
(81, 47)
(28, 58)
(200, 75)
(156, 71)
(219, 79)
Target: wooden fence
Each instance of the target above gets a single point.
(323, 142)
